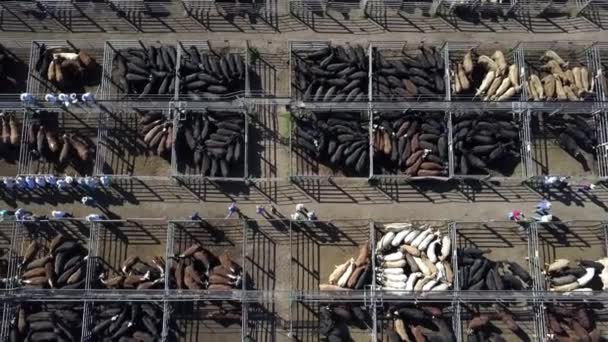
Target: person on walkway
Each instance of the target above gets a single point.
(61, 184)
(232, 208)
(587, 188)
(301, 208)
(543, 218)
(88, 98)
(59, 214)
(104, 181)
(298, 216)
(30, 182)
(5, 213)
(20, 182)
(40, 181)
(549, 181)
(195, 217)
(69, 179)
(260, 210)
(27, 98)
(516, 215)
(543, 207)
(311, 216)
(22, 214)
(50, 98)
(93, 217)
(90, 182)
(50, 180)
(8, 182)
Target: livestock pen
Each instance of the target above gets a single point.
(568, 142)
(212, 71)
(58, 141)
(75, 74)
(15, 65)
(10, 154)
(122, 148)
(122, 58)
(468, 70)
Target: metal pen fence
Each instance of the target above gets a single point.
(69, 76)
(218, 61)
(296, 304)
(313, 161)
(231, 163)
(568, 143)
(15, 64)
(537, 57)
(46, 135)
(122, 150)
(391, 80)
(460, 76)
(115, 86)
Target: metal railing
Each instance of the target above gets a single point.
(108, 240)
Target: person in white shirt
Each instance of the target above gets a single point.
(58, 214)
(27, 98)
(88, 98)
(65, 99)
(30, 182)
(40, 181)
(90, 182)
(20, 182)
(298, 216)
(73, 98)
(50, 98)
(104, 180)
(93, 217)
(61, 184)
(22, 214)
(69, 180)
(51, 180)
(311, 216)
(9, 183)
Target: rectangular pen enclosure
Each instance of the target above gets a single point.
(410, 144)
(60, 244)
(198, 320)
(197, 255)
(410, 253)
(490, 144)
(432, 319)
(578, 242)
(130, 139)
(326, 72)
(409, 72)
(559, 71)
(65, 66)
(269, 72)
(140, 71)
(13, 118)
(512, 321)
(59, 142)
(129, 254)
(494, 256)
(15, 58)
(567, 142)
(330, 143)
(319, 247)
(212, 71)
(211, 143)
(473, 68)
